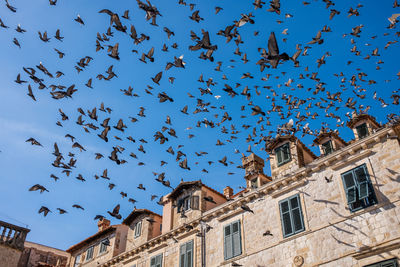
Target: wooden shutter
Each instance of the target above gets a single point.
(285, 218)
(189, 254)
(362, 182)
(236, 239)
(153, 262)
(297, 216)
(182, 254)
(228, 242)
(159, 260)
(286, 152)
(278, 153)
(350, 187)
(195, 202)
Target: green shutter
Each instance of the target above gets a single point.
(291, 216)
(362, 180)
(236, 240)
(278, 153)
(297, 217)
(227, 242)
(286, 152)
(386, 263)
(350, 187)
(285, 218)
(153, 262)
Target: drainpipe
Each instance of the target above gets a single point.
(203, 244)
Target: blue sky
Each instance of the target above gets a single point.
(24, 165)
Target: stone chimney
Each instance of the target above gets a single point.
(228, 192)
(103, 224)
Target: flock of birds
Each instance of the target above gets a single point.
(293, 110)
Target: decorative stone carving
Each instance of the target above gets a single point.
(298, 261)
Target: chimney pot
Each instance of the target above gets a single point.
(228, 192)
(103, 224)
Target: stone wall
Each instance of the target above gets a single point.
(9, 257)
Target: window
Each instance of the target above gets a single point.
(232, 240)
(138, 229)
(77, 260)
(186, 254)
(103, 245)
(254, 183)
(327, 147)
(291, 216)
(184, 204)
(282, 154)
(156, 261)
(89, 253)
(188, 202)
(386, 263)
(358, 187)
(362, 130)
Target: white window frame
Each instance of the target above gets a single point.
(138, 229)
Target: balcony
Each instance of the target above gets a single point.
(12, 235)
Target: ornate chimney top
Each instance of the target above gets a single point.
(253, 165)
(103, 224)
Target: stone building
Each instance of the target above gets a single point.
(341, 208)
(12, 238)
(108, 242)
(37, 255)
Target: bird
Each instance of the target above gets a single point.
(246, 208)
(33, 141)
(61, 211)
(328, 180)
(273, 52)
(268, 232)
(44, 210)
(209, 199)
(38, 187)
(115, 212)
(79, 20)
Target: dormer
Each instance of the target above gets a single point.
(287, 153)
(143, 225)
(363, 125)
(329, 142)
(254, 175)
(187, 202)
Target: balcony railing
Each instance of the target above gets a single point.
(12, 235)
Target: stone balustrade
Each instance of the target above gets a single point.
(12, 235)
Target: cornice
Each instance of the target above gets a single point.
(275, 188)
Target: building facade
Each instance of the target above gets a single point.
(341, 208)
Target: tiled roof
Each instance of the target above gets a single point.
(184, 185)
(137, 212)
(360, 117)
(328, 134)
(90, 239)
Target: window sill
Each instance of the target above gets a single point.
(289, 238)
(233, 259)
(283, 163)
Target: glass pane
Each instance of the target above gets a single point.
(327, 147)
(351, 194)
(287, 225)
(362, 130)
(228, 247)
(278, 153)
(285, 206)
(189, 259)
(227, 230)
(297, 220)
(182, 261)
(235, 227)
(348, 179)
(361, 174)
(294, 203)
